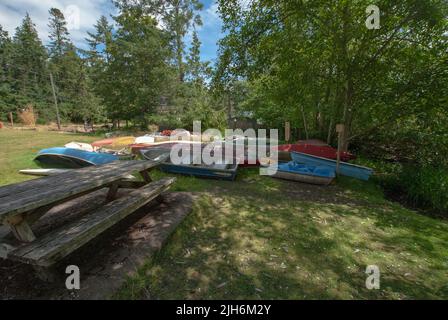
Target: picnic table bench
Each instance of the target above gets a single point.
(22, 204)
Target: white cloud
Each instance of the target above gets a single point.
(13, 11)
(11, 15)
(210, 16)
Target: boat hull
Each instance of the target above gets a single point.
(80, 146)
(137, 149)
(303, 178)
(201, 172)
(204, 171)
(114, 143)
(43, 172)
(72, 158)
(318, 150)
(319, 175)
(345, 169)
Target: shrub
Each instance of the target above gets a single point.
(426, 186)
(27, 116)
(421, 186)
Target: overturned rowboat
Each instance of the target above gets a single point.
(319, 175)
(345, 169)
(80, 146)
(220, 171)
(316, 148)
(73, 158)
(114, 143)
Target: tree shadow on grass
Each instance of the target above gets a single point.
(246, 243)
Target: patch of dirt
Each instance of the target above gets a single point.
(105, 262)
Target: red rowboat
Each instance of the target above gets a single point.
(316, 148)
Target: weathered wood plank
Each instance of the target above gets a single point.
(26, 201)
(55, 180)
(34, 215)
(56, 245)
(36, 184)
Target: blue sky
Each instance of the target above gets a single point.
(88, 11)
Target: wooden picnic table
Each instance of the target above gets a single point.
(22, 204)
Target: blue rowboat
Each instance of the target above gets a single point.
(219, 171)
(73, 158)
(216, 171)
(345, 169)
(320, 175)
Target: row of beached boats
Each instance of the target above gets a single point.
(307, 161)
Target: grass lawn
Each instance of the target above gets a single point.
(262, 238)
(19, 147)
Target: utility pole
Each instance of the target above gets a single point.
(340, 128)
(11, 120)
(55, 101)
(287, 131)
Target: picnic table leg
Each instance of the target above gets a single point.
(21, 229)
(145, 176)
(112, 194)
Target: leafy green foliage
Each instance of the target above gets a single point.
(129, 64)
(28, 77)
(59, 37)
(77, 101)
(6, 96)
(131, 71)
(427, 186)
(316, 63)
(179, 16)
(25, 67)
(140, 71)
(424, 186)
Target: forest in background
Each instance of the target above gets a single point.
(312, 63)
(316, 64)
(134, 71)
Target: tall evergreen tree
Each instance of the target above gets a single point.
(29, 66)
(194, 65)
(99, 42)
(6, 95)
(177, 17)
(69, 71)
(5, 53)
(89, 108)
(98, 58)
(135, 76)
(59, 37)
(180, 16)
